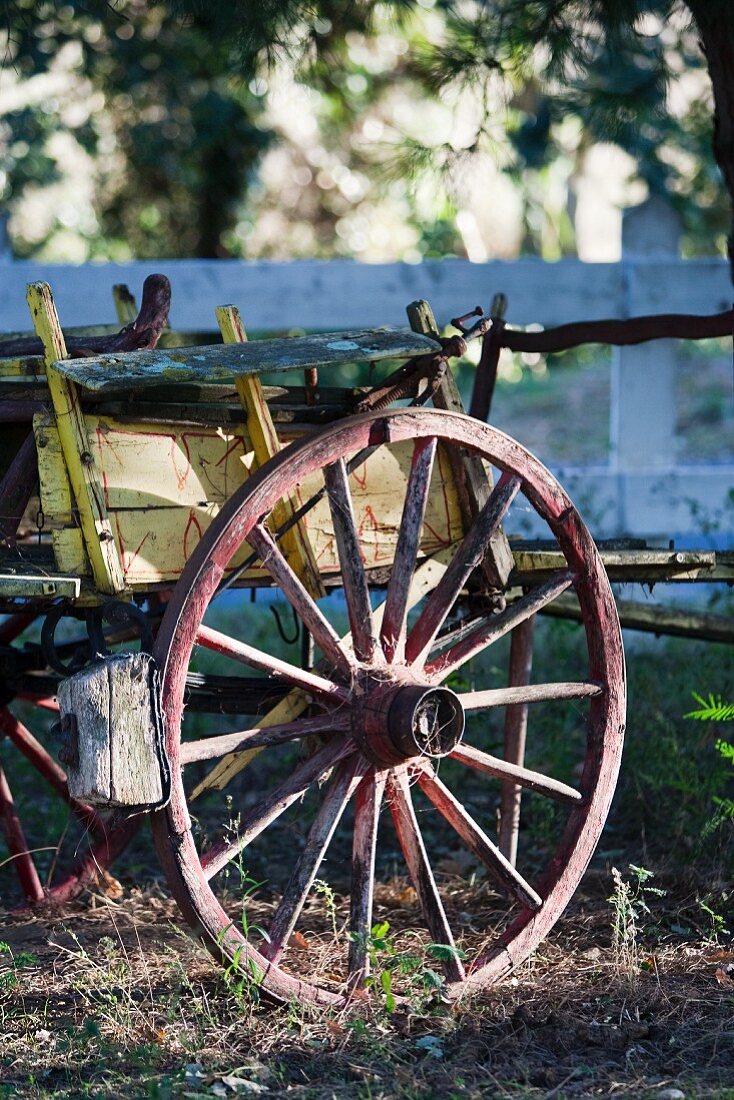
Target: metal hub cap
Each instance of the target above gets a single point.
(397, 722)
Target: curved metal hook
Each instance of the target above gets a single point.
(281, 628)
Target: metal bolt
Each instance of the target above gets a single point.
(87, 458)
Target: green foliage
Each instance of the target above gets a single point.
(180, 125)
(712, 709)
(173, 129)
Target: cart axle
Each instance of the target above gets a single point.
(397, 722)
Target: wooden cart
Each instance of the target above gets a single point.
(174, 483)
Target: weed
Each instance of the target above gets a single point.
(325, 892)
(243, 975)
(629, 903)
(714, 709)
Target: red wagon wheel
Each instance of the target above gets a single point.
(77, 849)
(387, 715)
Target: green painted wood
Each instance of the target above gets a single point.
(38, 585)
(213, 364)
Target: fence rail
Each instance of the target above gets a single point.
(641, 491)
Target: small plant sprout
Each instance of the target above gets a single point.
(629, 904)
(327, 895)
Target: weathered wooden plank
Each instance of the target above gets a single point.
(84, 701)
(112, 751)
(310, 294)
(534, 566)
(182, 475)
(680, 622)
(265, 444)
(215, 363)
(38, 585)
(84, 477)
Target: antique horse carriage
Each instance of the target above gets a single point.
(153, 491)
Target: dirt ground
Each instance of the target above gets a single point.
(112, 998)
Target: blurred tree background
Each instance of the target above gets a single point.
(392, 131)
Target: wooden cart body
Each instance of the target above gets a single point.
(167, 474)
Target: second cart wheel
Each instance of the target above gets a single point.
(383, 761)
(57, 846)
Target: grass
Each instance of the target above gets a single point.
(110, 998)
(116, 1003)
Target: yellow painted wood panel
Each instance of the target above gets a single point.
(164, 486)
(83, 474)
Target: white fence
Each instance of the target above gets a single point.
(641, 491)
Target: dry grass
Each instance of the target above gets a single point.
(111, 999)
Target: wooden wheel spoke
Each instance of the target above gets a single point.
(44, 763)
(274, 804)
(361, 894)
(262, 737)
(529, 693)
(516, 773)
(414, 851)
(335, 801)
(467, 558)
(495, 626)
(302, 603)
(17, 845)
(354, 578)
(477, 840)
(256, 658)
(392, 632)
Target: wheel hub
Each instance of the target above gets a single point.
(396, 722)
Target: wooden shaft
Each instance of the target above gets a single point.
(516, 725)
(17, 845)
(265, 444)
(77, 450)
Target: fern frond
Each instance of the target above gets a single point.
(713, 709)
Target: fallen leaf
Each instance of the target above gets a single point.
(723, 978)
(242, 1085)
(109, 886)
(406, 897)
(334, 1028)
(299, 941)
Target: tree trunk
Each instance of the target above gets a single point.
(715, 22)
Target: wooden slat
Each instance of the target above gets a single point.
(101, 374)
(361, 892)
(354, 579)
(78, 455)
(392, 631)
(334, 803)
(265, 444)
(477, 840)
(516, 773)
(416, 858)
(475, 475)
(38, 585)
(533, 566)
(311, 293)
